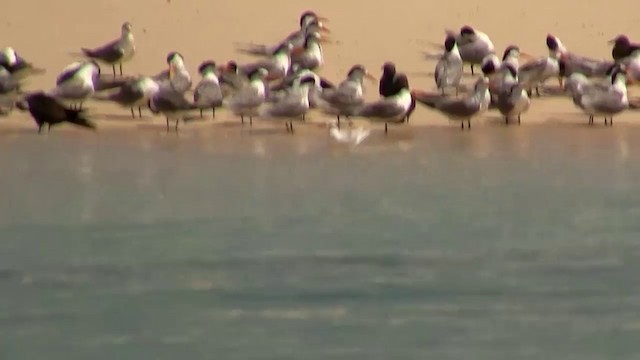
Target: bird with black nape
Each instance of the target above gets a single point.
(391, 83)
(622, 47)
(45, 109)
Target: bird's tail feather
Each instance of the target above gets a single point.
(77, 117)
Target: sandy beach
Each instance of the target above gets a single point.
(366, 33)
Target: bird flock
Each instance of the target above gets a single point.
(283, 84)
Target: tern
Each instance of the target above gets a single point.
(310, 22)
(622, 47)
(277, 66)
(294, 106)
(576, 63)
(534, 73)
(449, 68)
(172, 104)
(45, 109)
(598, 100)
(461, 109)
(208, 94)
(349, 95)
(246, 100)
(77, 82)
(309, 55)
(177, 76)
(16, 65)
(134, 92)
(512, 100)
(9, 89)
(390, 109)
(117, 51)
(473, 45)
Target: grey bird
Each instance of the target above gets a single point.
(247, 98)
(291, 107)
(392, 108)
(9, 90)
(45, 109)
(134, 92)
(172, 104)
(599, 100)
(115, 52)
(449, 68)
(177, 76)
(309, 55)
(461, 109)
(16, 65)
(512, 99)
(309, 22)
(348, 96)
(473, 45)
(77, 82)
(277, 65)
(208, 94)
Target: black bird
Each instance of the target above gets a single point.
(390, 85)
(45, 109)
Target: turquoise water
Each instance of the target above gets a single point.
(498, 243)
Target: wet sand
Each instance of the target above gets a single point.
(367, 33)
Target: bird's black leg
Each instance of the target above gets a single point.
(167, 124)
(590, 119)
(133, 115)
(114, 70)
(291, 126)
(386, 128)
(462, 125)
(140, 111)
(518, 119)
(472, 73)
(49, 127)
(120, 68)
(610, 120)
(242, 119)
(40, 128)
(213, 112)
(605, 120)
(469, 124)
(286, 124)
(537, 91)
(177, 122)
(201, 113)
(506, 120)
(250, 120)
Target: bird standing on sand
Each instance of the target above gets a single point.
(117, 51)
(449, 68)
(45, 109)
(9, 88)
(291, 107)
(513, 99)
(247, 98)
(391, 83)
(390, 109)
(208, 94)
(177, 76)
(462, 109)
(17, 66)
(349, 95)
(172, 104)
(134, 92)
(599, 100)
(77, 82)
(473, 45)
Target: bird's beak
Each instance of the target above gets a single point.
(322, 19)
(325, 40)
(612, 41)
(324, 29)
(370, 77)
